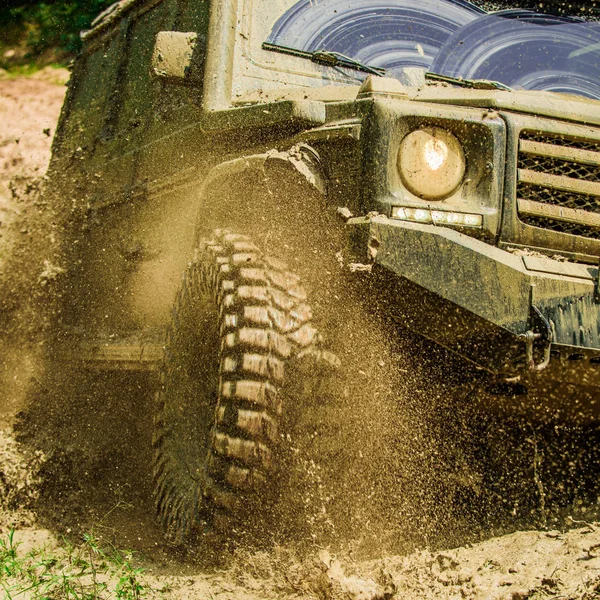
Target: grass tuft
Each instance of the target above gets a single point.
(85, 572)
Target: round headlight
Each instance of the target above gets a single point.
(431, 162)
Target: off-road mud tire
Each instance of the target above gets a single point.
(263, 322)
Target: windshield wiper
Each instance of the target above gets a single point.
(326, 58)
(475, 84)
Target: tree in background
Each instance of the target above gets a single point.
(48, 25)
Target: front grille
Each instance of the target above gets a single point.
(558, 184)
(561, 226)
(559, 140)
(546, 164)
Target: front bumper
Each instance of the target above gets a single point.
(477, 300)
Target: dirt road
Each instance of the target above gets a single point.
(49, 492)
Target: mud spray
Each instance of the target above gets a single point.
(391, 452)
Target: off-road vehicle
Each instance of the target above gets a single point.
(451, 148)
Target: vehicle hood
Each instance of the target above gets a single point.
(546, 104)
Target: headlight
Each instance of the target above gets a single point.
(431, 162)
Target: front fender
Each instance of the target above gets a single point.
(226, 187)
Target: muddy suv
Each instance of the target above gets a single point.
(449, 148)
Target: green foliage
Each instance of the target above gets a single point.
(85, 572)
(51, 24)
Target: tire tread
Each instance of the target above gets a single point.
(263, 322)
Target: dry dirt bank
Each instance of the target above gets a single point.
(526, 564)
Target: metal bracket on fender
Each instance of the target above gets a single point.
(541, 332)
(306, 161)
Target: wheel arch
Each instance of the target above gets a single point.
(235, 189)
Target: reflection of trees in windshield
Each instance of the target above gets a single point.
(526, 50)
(580, 8)
(520, 48)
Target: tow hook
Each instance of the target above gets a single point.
(546, 336)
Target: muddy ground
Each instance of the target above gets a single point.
(479, 505)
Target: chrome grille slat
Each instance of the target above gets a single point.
(564, 183)
(553, 166)
(559, 140)
(543, 210)
(553, 196)
(564, 173)
(556, 155)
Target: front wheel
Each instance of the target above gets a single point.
(239, 317)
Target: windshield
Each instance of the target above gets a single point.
(556, 50)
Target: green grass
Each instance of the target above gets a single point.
(84, 572)
(28, 69)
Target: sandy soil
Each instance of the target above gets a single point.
(29, 108)
(46, 491)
